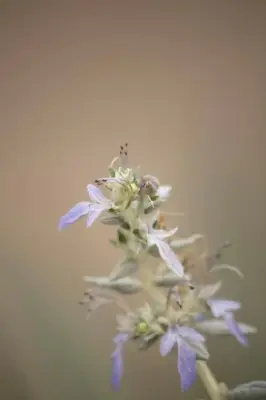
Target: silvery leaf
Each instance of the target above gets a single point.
(179, 244)
(123, 285)
(124, 269)
(126, 285)
(219, 327)
(102, 281)
(254, 384)
(249, 391)
(231, 268)
(169, 280)
(208, 291)
(111, 219)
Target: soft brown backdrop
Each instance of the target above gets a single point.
(184, 83)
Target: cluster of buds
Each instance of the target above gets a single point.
(179, 310)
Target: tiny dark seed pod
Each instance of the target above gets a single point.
(125, 225)
(137, 233)
(121, 237)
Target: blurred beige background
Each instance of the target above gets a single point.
(184, 83)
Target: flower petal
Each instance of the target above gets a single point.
(235, 329)
(220, 307)
(186, 365)
(117, 360)
(169, 257)
(76, 212)
(95, 194)
(117, 369)
(162, 234)
(95, 211)
(191, 334)
(163, 192)
(168, 341)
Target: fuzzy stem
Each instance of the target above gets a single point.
(147, 280)
(215, 390)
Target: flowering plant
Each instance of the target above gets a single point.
(181, 310)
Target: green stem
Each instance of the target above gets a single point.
(215, 390)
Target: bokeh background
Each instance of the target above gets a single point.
(184, 83)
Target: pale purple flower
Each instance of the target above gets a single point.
(92, 209)
(155, 237)
(180, 336)
(163, 192)
(117, 359)
(223, 309)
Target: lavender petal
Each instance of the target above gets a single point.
(95, 211)
(168, 340)
(186, 365)
(95, 194)
(117, 360)
(164, 191)
(76, 212)
(189, 333)
(220, 307)
(169, 257)
(235, 329)
(117, 369)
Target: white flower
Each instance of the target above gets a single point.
(92, 209)
(163, 192)
(156, 237)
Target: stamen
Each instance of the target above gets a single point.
(124, 154)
